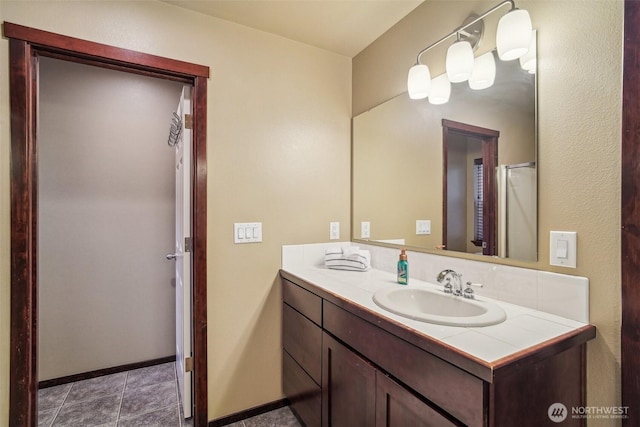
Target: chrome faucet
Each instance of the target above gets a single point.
(449, 288)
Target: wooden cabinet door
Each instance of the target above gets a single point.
(397, 407)
(348, 387)
(305, 396)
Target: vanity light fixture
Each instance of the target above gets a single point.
(459, 62)
(440, 90)
(484, 72)
(528, 61)
(513, 37)
(419, 81)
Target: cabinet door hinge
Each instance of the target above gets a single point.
(188, 121)
(188, 244)
(188, 364)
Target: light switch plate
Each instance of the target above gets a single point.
(563, 248)
(365, 230)
(334, 230)
(247, 232)
(423, 226)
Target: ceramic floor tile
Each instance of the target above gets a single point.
(45, 417)
(149, 398)
(52, 397)
(151, 375)
(96, 387)
(282, 417)
(165, 417)
(89, 413)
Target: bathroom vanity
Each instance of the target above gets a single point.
(348, 363)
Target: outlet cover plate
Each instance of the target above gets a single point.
(365, 230)
(334, 230)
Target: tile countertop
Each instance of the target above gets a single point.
(523, 329)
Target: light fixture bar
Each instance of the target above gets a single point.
(463, 27)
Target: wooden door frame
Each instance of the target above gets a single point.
(489, 139)
(630, 215)
(25, 44)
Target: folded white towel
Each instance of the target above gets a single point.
(347, 258)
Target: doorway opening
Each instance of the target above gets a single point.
(106, 218)
(470, 157)
(25, 46)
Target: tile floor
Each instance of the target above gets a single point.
(282, 417)
(141, 397)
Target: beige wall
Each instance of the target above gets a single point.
(579, 96)
(106, 209)
(278, 152)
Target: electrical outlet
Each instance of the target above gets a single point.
(365, 230)
(334, 230)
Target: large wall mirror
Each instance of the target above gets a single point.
(454, 177)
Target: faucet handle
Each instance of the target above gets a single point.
(468, 292)
(448, 287)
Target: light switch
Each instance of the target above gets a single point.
(563, 248)
(423, 226)
(247, 232)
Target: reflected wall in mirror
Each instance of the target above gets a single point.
(413, 161)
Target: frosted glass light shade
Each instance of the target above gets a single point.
(440, 90)
(419, 81)
(484, 72)
(459, 62)
(528, 61)
(513, 35)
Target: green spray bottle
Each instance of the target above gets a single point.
(403, 268)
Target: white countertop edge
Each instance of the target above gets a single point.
(525, 327)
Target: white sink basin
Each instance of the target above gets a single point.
(437, 307)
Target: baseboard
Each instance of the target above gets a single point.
(248, 413)
(105, 371)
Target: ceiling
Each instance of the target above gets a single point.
(345, 27)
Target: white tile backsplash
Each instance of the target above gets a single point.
(566, 296)
(517, 285)
(558, 294)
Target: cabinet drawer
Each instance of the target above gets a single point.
(302, 300)
(302, 339)
(304, 395)
(457, 392)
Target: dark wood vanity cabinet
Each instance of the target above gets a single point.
(302, 352)
(356, 394)
(347, 384)
(344, 365)
(396, 406)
